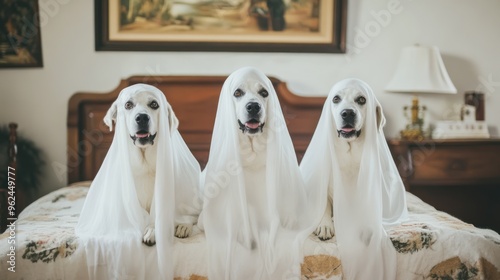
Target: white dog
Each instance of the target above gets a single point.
(145, 192)
(250, 103)
(348, 167)
(250, 106)
(253, 188)
(141, 116)
(348, 112)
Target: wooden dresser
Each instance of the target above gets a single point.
(460, 177)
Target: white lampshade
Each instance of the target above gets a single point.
(421, 69)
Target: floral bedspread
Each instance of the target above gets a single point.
(432, 245)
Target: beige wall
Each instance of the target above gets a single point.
(467, 33)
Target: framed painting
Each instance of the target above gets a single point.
(20, 44)
(317, 26)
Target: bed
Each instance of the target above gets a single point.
(432, 245)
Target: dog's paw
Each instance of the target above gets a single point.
(149, 236)
(183, 230)
(325, 230)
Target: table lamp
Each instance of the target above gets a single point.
(420, 70)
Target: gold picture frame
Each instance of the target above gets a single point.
(317, 26)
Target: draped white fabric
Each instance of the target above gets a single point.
(255, 219)
(112, 221)
(360, 211)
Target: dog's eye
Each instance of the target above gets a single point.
(238, 93)
(336, 99)
(154, 105)
(263, 93)
(361, 100)
(129, 105)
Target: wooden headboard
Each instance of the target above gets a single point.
(194, 100)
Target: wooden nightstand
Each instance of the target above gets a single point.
(460, 177)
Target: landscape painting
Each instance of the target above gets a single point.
(221, 25)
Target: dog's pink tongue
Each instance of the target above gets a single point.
(142, 135)
(252, 125)
(347, 129)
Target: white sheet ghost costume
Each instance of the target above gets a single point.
(362, 212)
(253, 205)
(112, 221)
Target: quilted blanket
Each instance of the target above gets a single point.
(431, 245)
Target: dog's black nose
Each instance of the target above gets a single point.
(142, 119)
(347, 114)
(253, 107)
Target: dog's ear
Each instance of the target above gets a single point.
(111, 115)
(380, 117)
(173, 122)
